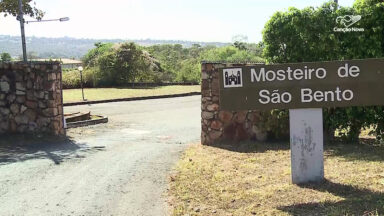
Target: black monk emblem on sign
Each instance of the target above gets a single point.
(233, 77)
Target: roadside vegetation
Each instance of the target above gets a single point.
(255, 179)
(307, 35)
(111, 65)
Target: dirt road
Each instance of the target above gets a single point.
(118, 168)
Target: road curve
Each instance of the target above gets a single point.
(118, 168)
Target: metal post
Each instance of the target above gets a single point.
(81, 83)
(21, 19)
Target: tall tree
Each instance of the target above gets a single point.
(307, 35)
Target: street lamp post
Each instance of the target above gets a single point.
(20, 17)
(81, 81)
(63, 19)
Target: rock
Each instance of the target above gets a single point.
(32, 76)
(11, 98)
(215, 87)
(51, 103)
(55, 125)
(261, 135)
(205, 84)
(21, 119)
(15, 108)
(207, 115)
(216, 125)
(32, 126)
(205, 93)
(240, 116)
(20, 99)
(204, 75)
(18, 92)
(18, 77)
(205, 99)
(22, 128)
(30, 95)
(23, 108)
(204, 138)
(42, 105)
(225, 116)
(204, 127)
(4, 111)
(39, 94)
(4, 78)
(2, 96)
(213, 107)
(50, 112)
(214, 134)
(4, 86)
(206, 122)
(20, 86)
(215, 99)
(51, 95)
(29, 84)
(12, 126)
(236, 132)
(42, 121)
(254, 117)
(4, 125)
(51, 76)
(31, 114)
(31, 104)
(2, 103)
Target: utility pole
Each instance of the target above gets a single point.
(21, 19)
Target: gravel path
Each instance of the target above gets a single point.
(118, 168)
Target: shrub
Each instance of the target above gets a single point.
(307, 35)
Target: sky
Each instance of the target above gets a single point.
(194, 20)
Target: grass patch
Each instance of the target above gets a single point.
(255, 179)
(73, 95)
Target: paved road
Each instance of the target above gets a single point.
(118, 168)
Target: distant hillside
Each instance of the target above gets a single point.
(67, 47)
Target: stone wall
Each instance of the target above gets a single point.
(218, 125)
(31, 98)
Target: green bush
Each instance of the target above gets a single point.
(307, 35)
(71, 79)
(230, 54)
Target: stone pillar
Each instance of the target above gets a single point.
(31, 98)
(219, 125)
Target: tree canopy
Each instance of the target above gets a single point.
(308, 35)
(11, 7)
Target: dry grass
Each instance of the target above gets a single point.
(73, 95)
(255, 179)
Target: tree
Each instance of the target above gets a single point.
(307, 35)
(230, 54)
(240, 45)
(5, 57)
(11, 7)
(119, 64)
